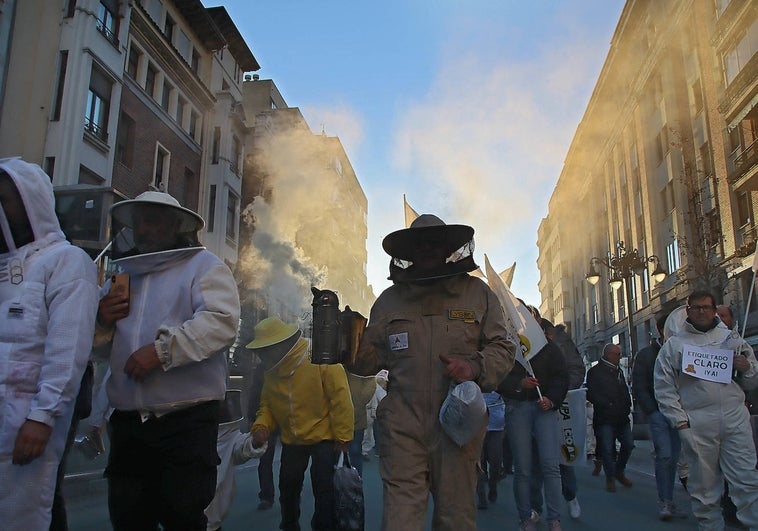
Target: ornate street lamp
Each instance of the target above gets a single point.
(622, 267)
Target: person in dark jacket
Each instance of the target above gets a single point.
(531, 405)
(575, 372)
(665, 439)
(609, 394)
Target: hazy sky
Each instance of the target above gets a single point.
(467, 107)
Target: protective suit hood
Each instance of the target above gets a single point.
(36, 191)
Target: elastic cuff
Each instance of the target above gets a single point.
(163, 355)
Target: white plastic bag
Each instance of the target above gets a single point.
(463, 412)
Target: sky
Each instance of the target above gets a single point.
(466, 107)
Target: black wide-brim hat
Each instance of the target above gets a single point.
(403, 243)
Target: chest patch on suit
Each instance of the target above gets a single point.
(468, 316)
(15, 312)
(399, 341)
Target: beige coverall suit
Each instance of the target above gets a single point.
(409, 327)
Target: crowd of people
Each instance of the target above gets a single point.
(164, 323)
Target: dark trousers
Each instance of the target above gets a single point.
(266, 469)
(162, 471)
(607, 435)
(59, 520)
(295, 458)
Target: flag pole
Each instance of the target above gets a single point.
(749, 298)
(531, 371)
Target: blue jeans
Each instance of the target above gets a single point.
(568, 485)
(667, 448)
(355, 451)
(606, 435)
(525, 421)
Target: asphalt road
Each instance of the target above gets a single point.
(630, 509)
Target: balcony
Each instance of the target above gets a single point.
(107, 33)
(744, 170)
(739, 85)
(746, 238)
(98, 131)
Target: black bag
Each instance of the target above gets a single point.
(348, 496)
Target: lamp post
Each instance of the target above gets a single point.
(622, 267)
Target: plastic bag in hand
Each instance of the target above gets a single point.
(463, 412)
(348, 496)
(248, 452)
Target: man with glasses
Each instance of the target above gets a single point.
(699, 378)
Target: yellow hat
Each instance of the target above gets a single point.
(271, 331)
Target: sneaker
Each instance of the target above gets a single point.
(574, 509)
(664, 511)
(534, 517)
(366, 457)
(555, 525)
(610, 484)
(482, 504)
(527, 525)
(598, 467)
(265, 504)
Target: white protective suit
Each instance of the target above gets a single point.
(719, 440)
(47, 319)
(234, 448)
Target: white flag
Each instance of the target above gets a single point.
(410, 214)
(519, 320)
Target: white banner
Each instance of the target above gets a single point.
(520, 322)
(707, 363)
(572, 428)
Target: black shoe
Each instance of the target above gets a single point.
(265, 504)
(482, 504)
(493, 491)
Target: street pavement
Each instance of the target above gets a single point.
(631, 509)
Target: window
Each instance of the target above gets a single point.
(161, 168)
(61, 81)
(98, 105)
(168, 28)
(672, 256)
(743, 209)
(87, 176)
(50, 167)
(125, 140)
(181, 103)
(183, 45)
(195, 62)
(194, 118)
(132, 63)
(234, 164)
(662, 143)
(211, 208)
(216, 145)
(189, 189)
(737, 58)
(150, 80)
(231, 217)
(166, 95)
(70, 8)
(667, 198)
(697, 96)
(107, 20)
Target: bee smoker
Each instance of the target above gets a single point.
(326, 327)
(336, 335)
